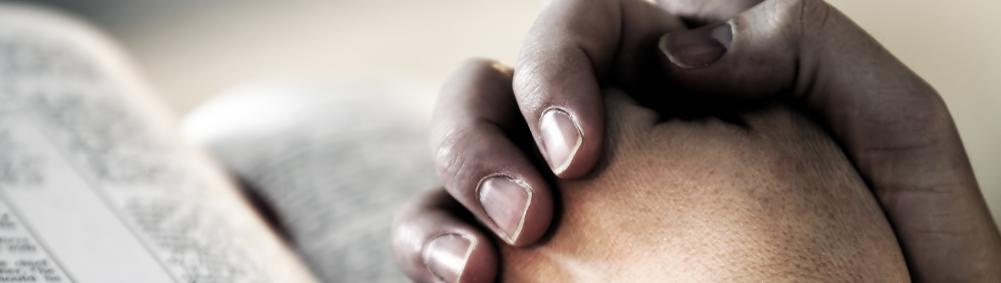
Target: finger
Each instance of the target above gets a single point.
(570, 47)
(432, 244)
(700, 12)
(892, 124)
(480, 165)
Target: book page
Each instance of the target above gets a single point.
(95, 185)
(334, 162)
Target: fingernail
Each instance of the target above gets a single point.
(561, 137)
(699, 47)
(506, 201)
(446, 256)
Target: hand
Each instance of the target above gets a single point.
(433, 238)
(893, 126)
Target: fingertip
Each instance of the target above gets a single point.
(557, 89)
(481, 265)
(697, 48)
(562, 137)
(433, 244)
(459, 256)
(538, 218)
(580, 153)
(518, 211)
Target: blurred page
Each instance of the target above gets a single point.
(334, 161)
(95, 186)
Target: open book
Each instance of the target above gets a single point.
(95, 183)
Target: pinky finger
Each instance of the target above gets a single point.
(433, 244)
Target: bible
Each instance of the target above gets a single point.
(96, 184)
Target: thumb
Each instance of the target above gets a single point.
(892, 125)
(745, 57)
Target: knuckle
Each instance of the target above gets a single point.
(522, 81)
(476, 63)
(536, 57)
(803, 15)
(455, 160)
(486, 68)
(914, 121)
(476, 77)
(546, 68)
(472, 73)
(529, 83)
(447, 153)
(814, 14)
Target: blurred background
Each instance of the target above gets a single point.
(193, 50)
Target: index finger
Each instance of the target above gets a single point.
(569, 50)
(577, 46)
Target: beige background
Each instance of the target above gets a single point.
(192, 50)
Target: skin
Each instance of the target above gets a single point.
(762, 195)
(758, 194)
(893, 127)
